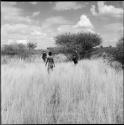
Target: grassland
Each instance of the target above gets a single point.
(90, 92)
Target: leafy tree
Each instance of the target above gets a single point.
(120, 44)
(79, 42)
(15, 49)
(120, 50)
(31, 45)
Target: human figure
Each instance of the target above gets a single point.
(50, 62)
(104, 57)
(75, 58)
(44, 56)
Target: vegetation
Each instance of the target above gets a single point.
(91, 92)
(26, 51)
(80, 41)
(120, 50)
(31, 45)
(76, 93)
(19, 50)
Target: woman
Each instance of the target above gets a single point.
(50, 62)
(44, 56)
(75, 58)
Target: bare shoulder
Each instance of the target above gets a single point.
(49, 58)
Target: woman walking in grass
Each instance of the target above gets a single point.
(75, 58)
(44, 56)
(50, 62)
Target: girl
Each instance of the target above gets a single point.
(50, 62)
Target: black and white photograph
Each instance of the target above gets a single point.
(62, 62)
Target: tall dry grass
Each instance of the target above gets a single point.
(90, 92)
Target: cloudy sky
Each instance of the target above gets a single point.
(40, 22)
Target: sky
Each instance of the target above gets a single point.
(41, 22)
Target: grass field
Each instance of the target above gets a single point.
(90, 92)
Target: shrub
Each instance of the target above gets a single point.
(80, 41)
(31, 45)
(120, 50)
(20, 50)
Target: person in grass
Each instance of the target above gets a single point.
(44, 56)
(75, 58)
(50, 62)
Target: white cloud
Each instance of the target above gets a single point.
(17, 31)
(115, 32)
(22, 41)
(106, 10)
(109, 43)
(114, 26)
(72, 29)
(56, 20)
(10, 13)
(93, 10)
(8, 3)
(84, 22)
(34, 3)
(51, 21)
(36, 32)
(19, 28)
(50, 2)
(23, 33)
(36, 13)
(83, 25)
(67, 6)
(10, 41)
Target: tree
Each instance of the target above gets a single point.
(120, 44)
(120, 50)
(15, 49)
(80, 41)
(31, 45)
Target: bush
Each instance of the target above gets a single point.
(20, 50)
(13, 49)
(120, 50)
(31, 45)
(60, 58)
(80, 41)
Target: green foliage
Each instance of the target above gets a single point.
(13, 49)
(120, 44)
(31, 45)
(120, 50)
(20, 50)
(80, 41)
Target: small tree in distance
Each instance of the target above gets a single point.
(120, 44)
(31, 45)
(120, 50)
(19, 49)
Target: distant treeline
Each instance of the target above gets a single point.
(85, 44)
(20, 50)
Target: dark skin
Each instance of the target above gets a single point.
(50, 60)
(50, 63)
(44, 56)
(75, 60)
(75, 57)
